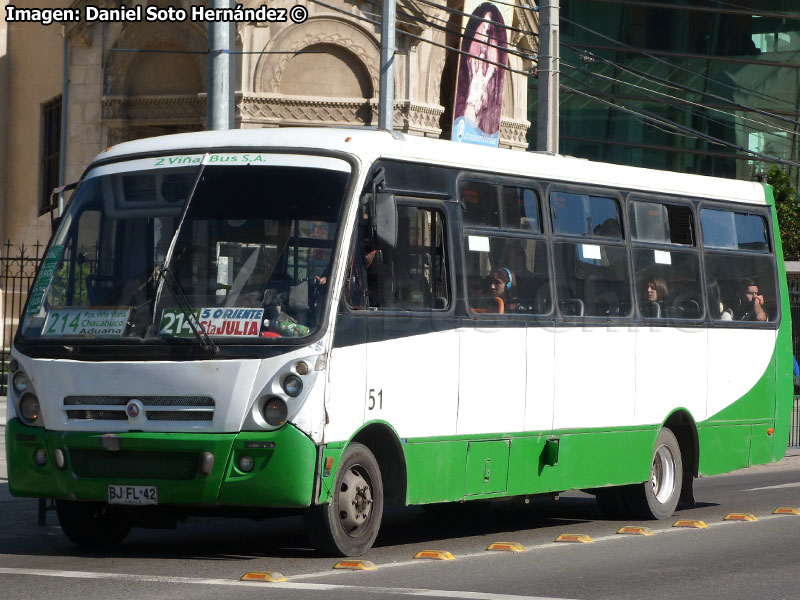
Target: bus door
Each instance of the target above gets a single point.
(412, 343)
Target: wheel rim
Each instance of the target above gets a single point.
(662, 475)
(355, 500)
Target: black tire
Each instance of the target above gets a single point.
(349, 524)
(658, 497)
(611, 501)
(92, 524)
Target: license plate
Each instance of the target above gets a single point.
(136, 495)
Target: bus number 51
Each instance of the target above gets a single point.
(375, 399)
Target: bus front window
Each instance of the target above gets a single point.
(250, 260)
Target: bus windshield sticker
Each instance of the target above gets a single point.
(662, 258)
(478, 243)
(220, 322)
(80, 321)
(591, 252)
(42, 285)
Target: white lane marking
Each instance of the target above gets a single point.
(774, 487)
(529, 548)
(319, 587)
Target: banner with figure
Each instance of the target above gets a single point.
(479, 85)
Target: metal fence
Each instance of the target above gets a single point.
(17, 271)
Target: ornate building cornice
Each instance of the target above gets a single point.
(154, 109)
(513, 134)
(277, 110)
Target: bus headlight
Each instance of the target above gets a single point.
(29, 407)
(40, 457)
(292, 385)
(301, 367)
(19, 382)
(246, 463)
(59, 458)
(275, 412)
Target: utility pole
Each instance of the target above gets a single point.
(221, 71)
(386, 98)
(547, 110)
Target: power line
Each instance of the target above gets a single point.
(652, 118)
(422, 39)
(508, 48)
(669, 64)
(720, 122)
(747, 12)
(677, 99)
(533, 9)
(461, 12)
(655, 120)
(162, 51)
(659, 147)
(686, 88)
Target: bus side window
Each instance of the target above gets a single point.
(667, 277)
(413, 274)
(522, 266)
(591, 272)
(738, 258)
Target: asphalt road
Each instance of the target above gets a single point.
(205, 557)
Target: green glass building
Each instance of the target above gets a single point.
(726, 74)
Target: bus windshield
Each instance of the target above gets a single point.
(230, 247)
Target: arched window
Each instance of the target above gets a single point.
(326, 69)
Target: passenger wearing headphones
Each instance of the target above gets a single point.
(501, 282)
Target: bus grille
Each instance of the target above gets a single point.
(156, 408)
(179, 466)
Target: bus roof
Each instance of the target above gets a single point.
(370, 144)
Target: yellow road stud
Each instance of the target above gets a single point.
(265, 576)
(435, 555)
(631, 530)
(355, 565)
(690, 523)
(579, 538)
(740, 517)
(785, 510)
(506, 547)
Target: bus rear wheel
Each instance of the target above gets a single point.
(349, 524)
(658, 497)
(92, 524)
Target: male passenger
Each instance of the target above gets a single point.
(751, 302)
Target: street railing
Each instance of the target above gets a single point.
(17, 271)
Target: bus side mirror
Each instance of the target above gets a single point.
(384, 219)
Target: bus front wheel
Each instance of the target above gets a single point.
(349, 523)
(92, 524)
(658, 497)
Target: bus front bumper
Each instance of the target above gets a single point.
(179, 465)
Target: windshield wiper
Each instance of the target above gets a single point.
(163, 273)
(206, 343)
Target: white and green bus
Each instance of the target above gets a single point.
(328, 321)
